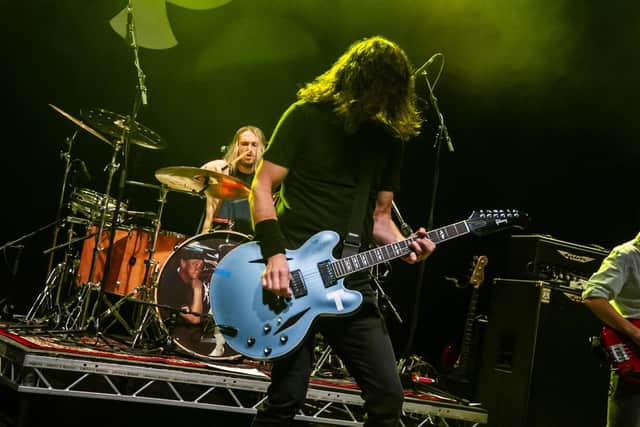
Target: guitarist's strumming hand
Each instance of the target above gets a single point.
(421, 248)
(275, 277)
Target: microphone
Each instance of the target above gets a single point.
(423, 68)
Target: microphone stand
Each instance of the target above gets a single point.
(6, 311)
(128, 128)
(441, 135)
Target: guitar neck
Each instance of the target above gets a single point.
(465, 351)
(363, 260)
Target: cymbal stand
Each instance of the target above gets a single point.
(66, 156)
(157, 222)
(111, 167)
(44, 301)
(128, 128)
(150, 313)
(46, 305)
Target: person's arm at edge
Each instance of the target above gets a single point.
(269, 176)
(603, 309)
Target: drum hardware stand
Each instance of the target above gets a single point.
(151, 306)
(92, 325)
(112, 167)
(150, 262)
(123, 144)
(7, 309)
(45, 304)
(150, 272)
(69, 315)
(326, 356)
(66, 156)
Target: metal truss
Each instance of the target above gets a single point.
(196, 388)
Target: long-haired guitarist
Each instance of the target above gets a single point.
(613, 294)
(355, 117)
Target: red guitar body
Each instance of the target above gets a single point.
(623, 353)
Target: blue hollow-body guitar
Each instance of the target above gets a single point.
(259, 325)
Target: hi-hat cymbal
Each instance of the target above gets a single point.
(81, 124)
(114, 124)
(202, 182)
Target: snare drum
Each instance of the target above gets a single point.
(199, 337)
(131, 247)
(88, 204)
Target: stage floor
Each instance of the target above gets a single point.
(40, 363)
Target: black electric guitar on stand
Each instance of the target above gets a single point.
(458, 364)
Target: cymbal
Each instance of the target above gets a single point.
(114, 124)
(202, 182)
(81, 124)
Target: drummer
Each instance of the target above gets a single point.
(240, 161)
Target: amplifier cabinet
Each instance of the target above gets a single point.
(538, 366)
(540, 257)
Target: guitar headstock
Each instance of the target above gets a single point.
(477, 274)
(483, 222)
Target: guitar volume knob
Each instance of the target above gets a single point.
(251, 341)
(284, 339)
(266, 328)
(267, 351)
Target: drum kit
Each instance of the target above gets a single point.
(108, 250)
(113, 255)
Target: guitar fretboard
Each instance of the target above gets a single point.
(363, 260)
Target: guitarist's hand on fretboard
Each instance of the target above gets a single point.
(421, 248)
(275, 277)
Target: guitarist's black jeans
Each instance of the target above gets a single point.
(363, 344)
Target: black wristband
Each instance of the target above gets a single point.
(270, 238)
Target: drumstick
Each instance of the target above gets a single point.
(239, 157)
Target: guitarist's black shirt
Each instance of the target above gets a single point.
(323, 162)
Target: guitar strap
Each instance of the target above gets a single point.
(351, 243)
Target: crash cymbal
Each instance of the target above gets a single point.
(114, 124)
(202, 182)
(81, 124)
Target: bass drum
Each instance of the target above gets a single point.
(183, 285)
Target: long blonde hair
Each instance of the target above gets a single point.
(233, 150)
(372, 81)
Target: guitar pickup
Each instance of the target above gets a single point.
(298, 287)
(326, 273)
